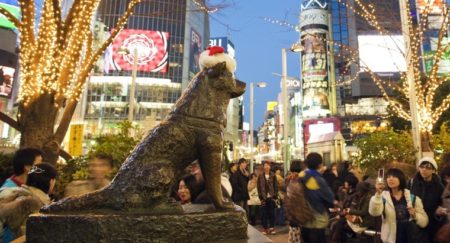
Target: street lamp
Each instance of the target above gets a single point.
(125, 51)
(298, 48)
(259, 85)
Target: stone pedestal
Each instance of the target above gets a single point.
(128, 227)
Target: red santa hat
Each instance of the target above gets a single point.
(216, 54)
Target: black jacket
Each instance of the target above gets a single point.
(239, 183)
(430, 193)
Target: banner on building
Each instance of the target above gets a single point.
(315, 76)
(76, 139)
(194, 52)
(152, 46)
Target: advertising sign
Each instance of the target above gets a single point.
(6, 80)
(433, 6)
(152, 49)
(194, 53)
(13, 7)
(224, 42)
(315, 76)
(390, 49)
(444, 63)
(76, 139)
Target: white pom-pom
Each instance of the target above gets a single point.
(207, 61)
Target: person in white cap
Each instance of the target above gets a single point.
(427, 185)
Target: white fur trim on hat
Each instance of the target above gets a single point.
(207, 61)
(428, 159)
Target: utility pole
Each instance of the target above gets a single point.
(133, 85)
(284, 95)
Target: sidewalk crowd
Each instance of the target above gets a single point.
(316, 203)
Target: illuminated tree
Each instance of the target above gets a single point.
(426, 84)
(54, 64)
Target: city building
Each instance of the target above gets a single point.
(360, 105)
(166, 38)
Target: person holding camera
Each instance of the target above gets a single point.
(401, 211)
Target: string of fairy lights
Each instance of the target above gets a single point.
(425, 89)
(58, 59)
(426, 84)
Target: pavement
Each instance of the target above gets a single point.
(280, 237)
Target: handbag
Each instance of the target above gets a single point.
(416, 234)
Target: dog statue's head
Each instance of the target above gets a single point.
(223, 80)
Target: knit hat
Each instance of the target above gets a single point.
(214, 55)
(429, 160)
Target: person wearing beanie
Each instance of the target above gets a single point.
(427, 185)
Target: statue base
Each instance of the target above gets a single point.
(137, 227)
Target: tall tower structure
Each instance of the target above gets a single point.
(315, 76)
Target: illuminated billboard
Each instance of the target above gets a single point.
(13, 7)
(152, 49)
(433, 6)
(382, 53)
(6, 80)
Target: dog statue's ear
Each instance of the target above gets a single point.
(216, 70)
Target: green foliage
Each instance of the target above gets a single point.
(74, 169)
(441, 141)
(381, 149)
(118, 146)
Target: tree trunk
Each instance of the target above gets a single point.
(37, 122)
(425, 142)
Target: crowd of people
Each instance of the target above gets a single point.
(319, 204)
(345, 206)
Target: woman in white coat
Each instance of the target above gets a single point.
(396, 207)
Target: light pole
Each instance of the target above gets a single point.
(297, 47)
(125, 51)
(252, 100)
(133, 85)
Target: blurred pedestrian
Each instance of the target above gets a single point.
(294, 228)
(22, 162)
(267, 192)
(443, 211)
(280, 218)
(320, 198)
(254, 204)
(99, 167)
(427, 185)
(239, 183)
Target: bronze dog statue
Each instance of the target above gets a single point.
(193, 130)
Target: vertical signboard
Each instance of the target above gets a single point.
(194, 53)
(76, 139)
(315, 83)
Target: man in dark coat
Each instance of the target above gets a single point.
(427, 185)
(267, 191)
(239, 183)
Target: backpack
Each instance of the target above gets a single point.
(296, 205)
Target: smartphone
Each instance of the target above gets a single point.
(380, 177)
